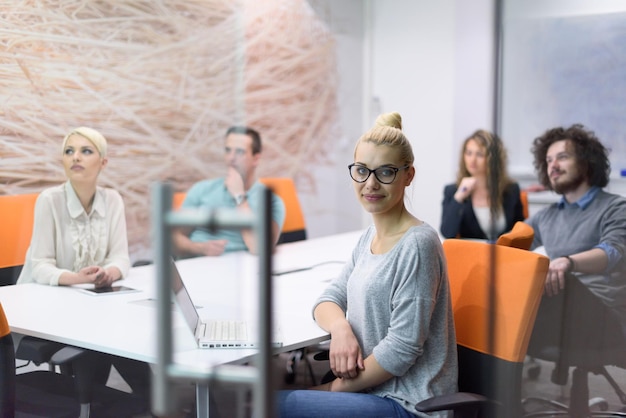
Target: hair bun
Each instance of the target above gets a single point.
(392, 119)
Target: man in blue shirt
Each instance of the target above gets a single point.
(238, 189)
(584, 235)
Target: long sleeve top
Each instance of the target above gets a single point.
(212, 194)
(597, 220)
(66, 238)
(459, 219)
(399, 307)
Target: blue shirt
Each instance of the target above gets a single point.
(212, 194)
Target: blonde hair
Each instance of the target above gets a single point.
(95, 137)
(387, 130)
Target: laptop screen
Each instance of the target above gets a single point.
(184, 300)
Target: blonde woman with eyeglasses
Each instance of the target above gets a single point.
(389, 312)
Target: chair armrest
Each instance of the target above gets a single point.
(453, 402)
(322, 355)
(36, 349)
(66, 355)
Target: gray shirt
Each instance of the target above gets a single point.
(597, 220)
(399, 307)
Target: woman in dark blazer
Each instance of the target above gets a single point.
(467, 209)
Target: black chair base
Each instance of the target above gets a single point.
(295, 358)
(47, 391)
(581, 405)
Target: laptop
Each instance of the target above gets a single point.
(222, 333)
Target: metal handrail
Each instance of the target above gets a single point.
(166, 371)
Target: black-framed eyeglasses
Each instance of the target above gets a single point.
(384, 174)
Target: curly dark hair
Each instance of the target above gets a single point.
(591, 156)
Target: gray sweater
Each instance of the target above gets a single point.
(569, 229)
(399, 307)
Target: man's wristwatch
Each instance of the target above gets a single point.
(571, 264)
(240, 198)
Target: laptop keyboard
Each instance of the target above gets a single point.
(227, 331)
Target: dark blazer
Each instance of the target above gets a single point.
(459, 221)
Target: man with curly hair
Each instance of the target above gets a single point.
(584, 235)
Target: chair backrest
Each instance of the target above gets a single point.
(16, 227)
(177, 200)
(523, 195)
(294, 228)
(520, 236)
(494, 313)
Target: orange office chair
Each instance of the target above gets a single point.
(294, 228)
(520, 236)
(177, 199)
(16, 227)
(494, 321)
(523, 194)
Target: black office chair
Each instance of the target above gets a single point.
(48, 394)
(593, 340)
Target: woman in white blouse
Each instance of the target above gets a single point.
(79, 231)
(79, 236)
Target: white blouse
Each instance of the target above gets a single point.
(483, 215)
(66, 238)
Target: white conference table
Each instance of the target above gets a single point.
(125, 324)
